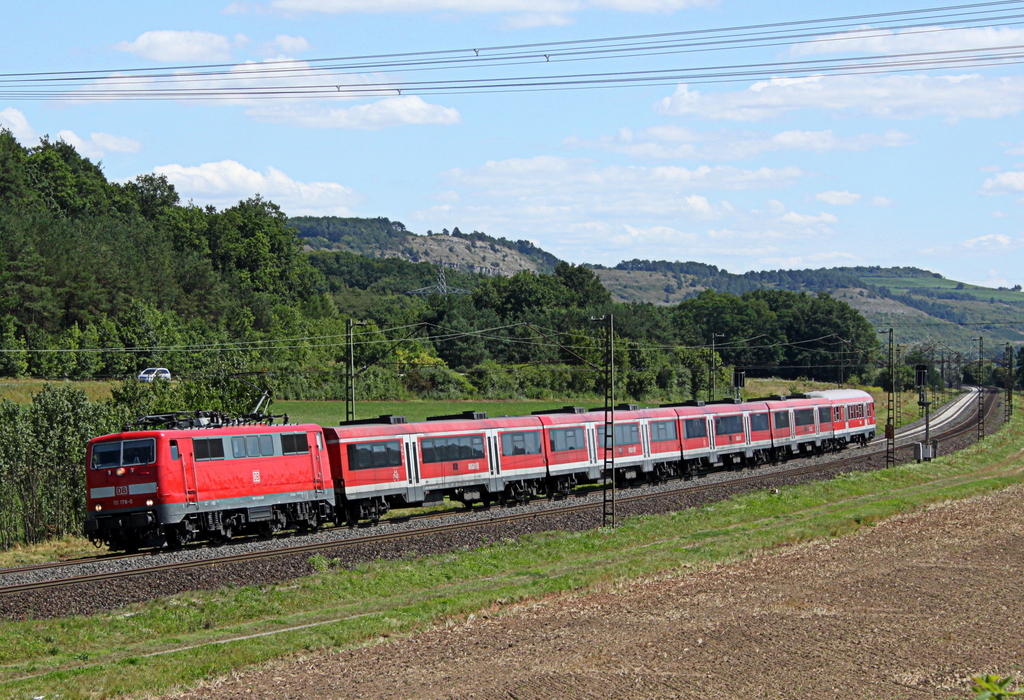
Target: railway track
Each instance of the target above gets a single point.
(355, 544)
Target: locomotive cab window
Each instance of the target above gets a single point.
(375, 455)
(208, 448)
(174, 450)
(294, 444)
(527, 443)
(123, 453)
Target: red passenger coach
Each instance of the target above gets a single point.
(151, 487)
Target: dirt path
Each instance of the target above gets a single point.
(907, 609)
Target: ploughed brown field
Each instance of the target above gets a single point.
(909, 608)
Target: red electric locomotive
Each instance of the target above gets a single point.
(172, 486)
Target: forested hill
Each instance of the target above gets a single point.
(474, 252)
(102, 279)
(923, 305)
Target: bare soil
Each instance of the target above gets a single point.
(909, 608)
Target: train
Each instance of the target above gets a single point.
(199, 477)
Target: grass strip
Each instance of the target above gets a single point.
(152, 647)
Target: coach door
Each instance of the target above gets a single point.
(188, 471)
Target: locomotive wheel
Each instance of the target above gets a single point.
(222, 538)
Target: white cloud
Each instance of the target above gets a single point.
(836, 198)
(673, 142)
(390, 111)
(630, 235)
(893, 96)
(792, 217)
(291, 45)
(316, 112)
(881, 202)
(1016, 149)
(98, 144)
(172, 46)
(921, 39)
(481, 6)
(1004, 183)
(794, 262)
(992, 242)
(552, 175)
(537, 19)
(17, 123)
(224, 183)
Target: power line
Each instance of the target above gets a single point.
(331, 77)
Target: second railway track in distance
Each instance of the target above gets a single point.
(114, 585)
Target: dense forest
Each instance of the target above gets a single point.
(101, 279)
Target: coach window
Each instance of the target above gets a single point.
(728, 425)
(452, 449)
(375, 455)
(564, 439)
(695, 428)
(824, 414)
(781, 420)
(520, 443)
(758, 421)
(838, 411)
(628, 434)
(803, 417)
(664, 430)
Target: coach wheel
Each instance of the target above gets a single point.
(352, 516)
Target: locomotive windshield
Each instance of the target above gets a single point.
(123, 453)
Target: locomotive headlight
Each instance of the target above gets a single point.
(99, 507)
(149, 502)
(120, 471)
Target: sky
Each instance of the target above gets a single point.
(765, 171)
